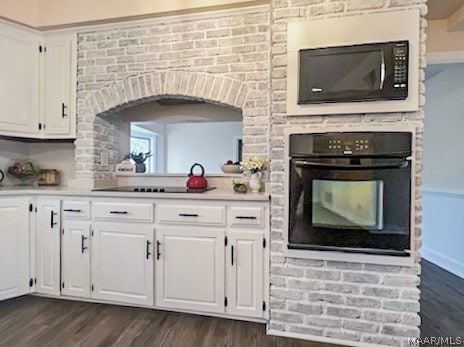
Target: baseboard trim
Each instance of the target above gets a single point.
(443, 261)
(154, 307)
(322, 339)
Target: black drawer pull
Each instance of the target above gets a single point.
(246, 217)
(188, 215)
(72, 210)
(83, 238)
(158, 253)
(63, 112)
(148, 249)
(232, 255)
(52, 222)
(119, 212)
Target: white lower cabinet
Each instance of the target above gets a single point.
(14, 247)
(244, 273)
(190, 268)
(75, 265)
(122, 262)
(48, 246)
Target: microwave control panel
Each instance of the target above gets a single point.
(400, 74)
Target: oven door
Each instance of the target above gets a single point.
(350, 204)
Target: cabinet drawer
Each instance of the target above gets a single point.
(246, 216)
(123, 211)
(76, 209)
(194, 215)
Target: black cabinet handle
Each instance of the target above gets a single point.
(83, 238)
(119, 212)
(232, 255)
(52, 222)
(63, 108)
(246, 217)
(188, 215)
(72, 210)
(158, 254)
(148, 249)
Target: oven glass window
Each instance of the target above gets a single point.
(347, 204)
(334, 73)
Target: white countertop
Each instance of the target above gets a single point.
(215, 194)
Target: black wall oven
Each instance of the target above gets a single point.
(366, 72)
(350, 192)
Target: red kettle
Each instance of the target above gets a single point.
(197, 181)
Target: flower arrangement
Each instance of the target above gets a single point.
(255, 164)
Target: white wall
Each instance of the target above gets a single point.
(443, 203)
(444, 129)
(210, 144)
(54, 155)
(45, 155)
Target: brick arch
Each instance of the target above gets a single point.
(152, 86)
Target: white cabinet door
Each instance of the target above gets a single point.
(48, 246)
(59, 86)
(190, 269)
(122, 262)
(14, 247)
(244, 269)
(19, 81)
(75, 267)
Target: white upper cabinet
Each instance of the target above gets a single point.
(48, 246)
(19, 81)
(37, 83)
(59, 86)
(14, 247)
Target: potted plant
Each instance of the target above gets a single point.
(139, 160)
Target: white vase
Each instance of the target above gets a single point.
(255, 182)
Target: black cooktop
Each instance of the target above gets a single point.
(150, 189)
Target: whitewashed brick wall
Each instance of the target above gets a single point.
(238, 59)
(223, 57)
(355, 302)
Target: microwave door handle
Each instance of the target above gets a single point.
(382, 72)
(396, 165)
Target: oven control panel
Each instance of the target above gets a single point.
(352, 146)
(338, 144)
(358, 145)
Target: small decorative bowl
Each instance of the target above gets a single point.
(240, 188)
(231, 168)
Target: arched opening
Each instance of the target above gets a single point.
(178, 132)
(224, 99)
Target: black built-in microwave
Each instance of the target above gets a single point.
(365, 72)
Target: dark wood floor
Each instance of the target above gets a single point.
(442, 302)
(34, 321)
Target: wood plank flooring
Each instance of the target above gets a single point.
(442, 302)
(35, 321)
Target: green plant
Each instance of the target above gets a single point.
(140, 158)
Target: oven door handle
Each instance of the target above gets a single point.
(396, 165)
